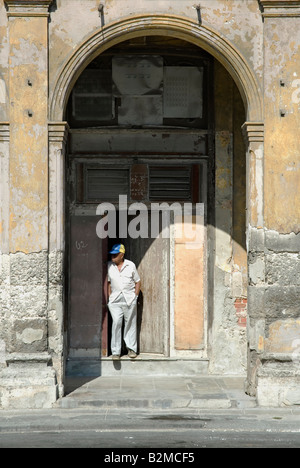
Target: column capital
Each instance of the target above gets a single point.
(280, 8)
(58, 132)
(253, 132)
(4, 131)
(17, 8)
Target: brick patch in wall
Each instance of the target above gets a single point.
(240, 305)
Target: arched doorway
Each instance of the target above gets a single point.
(171, 26)
(221, 49)
(141, 128)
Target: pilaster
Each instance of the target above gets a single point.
(4, 187)
(27, 380)
(4, 235)
(254, 138)
(57, 134)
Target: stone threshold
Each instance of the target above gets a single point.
(144, 364)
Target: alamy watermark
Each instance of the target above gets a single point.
(149, 222)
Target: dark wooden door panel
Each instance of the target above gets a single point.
(86, 285)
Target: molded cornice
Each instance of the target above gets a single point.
(280, 8)
(28, 7)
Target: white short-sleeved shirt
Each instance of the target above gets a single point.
(123, 281)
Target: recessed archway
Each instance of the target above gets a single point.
(182, 28)
(177, 27)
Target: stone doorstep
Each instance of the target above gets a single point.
(143, 365)
(143, 395)
(161, 393)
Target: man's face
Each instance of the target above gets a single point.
(117, 258)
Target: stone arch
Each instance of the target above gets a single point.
(180, 27)
(155, 25)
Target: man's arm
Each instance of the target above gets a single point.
(137, 288)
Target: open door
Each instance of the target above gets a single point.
(151, 257)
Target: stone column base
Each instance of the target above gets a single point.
(28, 382)
(278, 382)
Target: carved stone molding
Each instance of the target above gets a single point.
(280, 8)
(58, 132)
(4, 131)
(253, 132)
(23, 8)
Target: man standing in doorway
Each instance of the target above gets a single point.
(124, 285)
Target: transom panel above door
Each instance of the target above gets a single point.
(145, 181)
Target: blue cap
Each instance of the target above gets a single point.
(117, 248)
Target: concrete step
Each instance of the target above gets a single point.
(147, 365)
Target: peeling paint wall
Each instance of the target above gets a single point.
(28, 134)
(282, 105)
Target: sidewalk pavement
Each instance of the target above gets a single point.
(157, 392)
(145, 412)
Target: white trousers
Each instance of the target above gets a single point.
(119, 310)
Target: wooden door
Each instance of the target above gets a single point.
(151, 257)
(85, 288)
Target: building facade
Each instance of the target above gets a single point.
(159, 102)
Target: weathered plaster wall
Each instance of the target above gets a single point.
(282, 104)
(31, 260)
(28, 183)
(274, 251)
(28, 134)
(227, 333)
